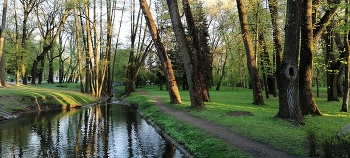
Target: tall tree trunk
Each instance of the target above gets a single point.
(89, 51)
(17, 57)
(110, 23)
(289, 105)
(2, 45)
(345, 105)
(194, 85)
(265, 62)
(331, 65)
(167, 68)
(80, 71)
(307, 50)
(28, 7)
(277, 37)
(223, 72)
(251, 61)
(130, 71)
(196, 47)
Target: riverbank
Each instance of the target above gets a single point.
(16, 100)
(228, 125)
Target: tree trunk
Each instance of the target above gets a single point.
(277, 37)
(41, 71)
(307, 50)
(223, 72)
(47, 46)
(51, 73)
(130, 71)
(17, 56)
(192, 74)
(167, 68)
(331, 66)
(80, 66)
(110, 23)
(2, 45)
(28, 7)
(265, 62)
(289, 105)
(251, 61)
(196, 48)
(345, 105)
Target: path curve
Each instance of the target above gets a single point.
(255, 148)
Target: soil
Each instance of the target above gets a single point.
(252, 147)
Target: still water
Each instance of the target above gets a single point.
(105, 130)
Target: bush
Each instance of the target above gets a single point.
(62, 85)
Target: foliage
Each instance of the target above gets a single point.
(62, 85)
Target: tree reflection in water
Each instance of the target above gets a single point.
(107, 130)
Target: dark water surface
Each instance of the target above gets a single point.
(105, 130)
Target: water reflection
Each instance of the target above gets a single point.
(97, 131)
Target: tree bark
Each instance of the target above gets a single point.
(277, 37)
(331, 66)
(167, 68)
(80, 70)
(28, 7)
(2, 45)
(289, 105)
(196, 48)
(307, 50)
(345, 105)
(194, 85)
(251, 61)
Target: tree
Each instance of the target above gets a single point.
(251, 61)
(307, 50)
(196, 46)
(345, 105)
(131, 70)
(2, 45)
(80, 65)
(289, 105)
(162, 54)
(309, 37)
(192, 74)
(277, 38)
(28, 6)
(48, 36)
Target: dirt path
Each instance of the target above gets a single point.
(254, 148)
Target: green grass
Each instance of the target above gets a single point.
(263, 126)
(196, 141)
(15, 98)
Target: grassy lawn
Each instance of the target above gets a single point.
(263, 126)
(17, 98)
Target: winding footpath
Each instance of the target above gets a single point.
(252, 147)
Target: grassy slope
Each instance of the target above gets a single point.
(13, 98)
(263, 126)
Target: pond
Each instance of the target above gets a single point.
(103, 130)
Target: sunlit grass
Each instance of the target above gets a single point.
(45, 95)
(263, 126)
(195, 141)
